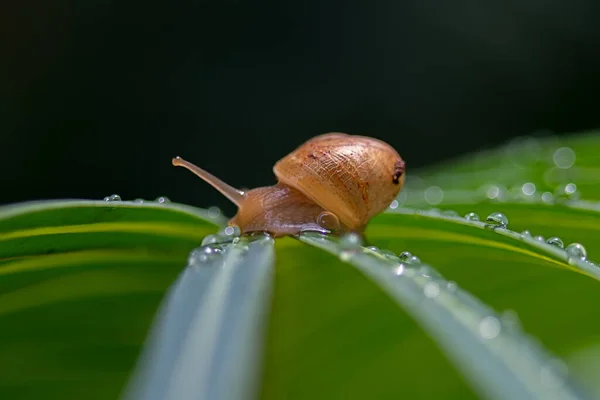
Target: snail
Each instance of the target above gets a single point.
(334, 182)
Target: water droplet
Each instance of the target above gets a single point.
(576, 250)
(497, 219)
(214, 211)
(528, 189)
(231, 231)
(204, 254)
(489, 327)
(394, 204)
(162, 200)
(451, 286)
(539, 238)
(431, 290)
(405, 255)
(556, 241)
(472, 217)
(564, 158)
(346, 255)
(139, 201)
(351, 240)
(525, 234)
(547, 197)
(399, 270)
(412, 260)
(113, 197)
(373, 248)
(210, 239)
(434, 195)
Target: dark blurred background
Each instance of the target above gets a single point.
(96, 96)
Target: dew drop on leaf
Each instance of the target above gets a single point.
(412, 260)
(489, 327)
(497, 219)
(576, 250)
(405, 255)
(162, 200)
(525, 234)
(556, 241)
(431, 290)
(351, 241)
(539, 238)
(472, 217)
(113, 197)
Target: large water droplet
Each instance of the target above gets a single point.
(351, 240)
(431, 290)
(564, 158)
(497, 219)
(556, 241)
(434, 195)
(472, 217)
(394, 204)
(539, 238)
(405, 255)
(162, 200)
(346, 255)
(489, 327)
(113, 197)
(576, 250)
(525, 234)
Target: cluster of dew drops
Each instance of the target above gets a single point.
(408, 265)
(116, 197)
(560, 165)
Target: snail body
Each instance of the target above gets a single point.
(333, 182)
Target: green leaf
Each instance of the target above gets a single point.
(79, 284)
(548, 163)
(208, 338)
(498, 359)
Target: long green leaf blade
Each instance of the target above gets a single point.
(499, 361)
(79, 284)
(207, 341)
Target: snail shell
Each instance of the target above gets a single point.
(354, 177)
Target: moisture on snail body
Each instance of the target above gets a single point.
(333, 182)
